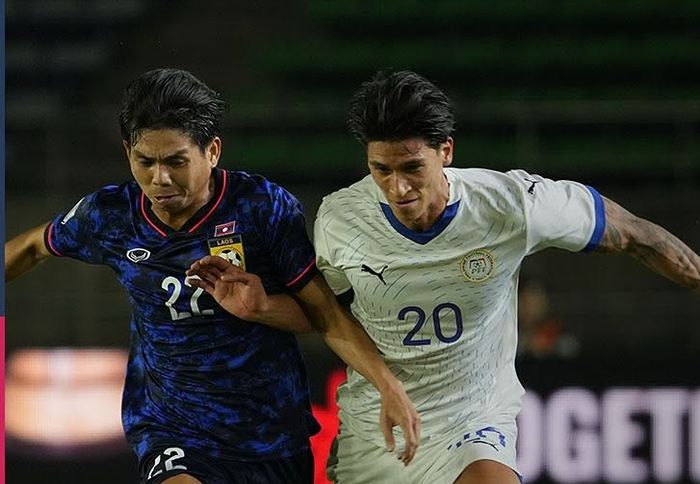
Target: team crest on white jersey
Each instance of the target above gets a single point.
(138, 255)
(478, 265)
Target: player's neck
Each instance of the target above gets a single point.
(174, 221)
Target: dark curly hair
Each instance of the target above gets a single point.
(171, 98)
(397, 105)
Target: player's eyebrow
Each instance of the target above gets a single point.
(410, 163)
(177, 154)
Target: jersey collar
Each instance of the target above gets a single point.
(201, 216)
(424, 236)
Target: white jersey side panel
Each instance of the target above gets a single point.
(443, 311)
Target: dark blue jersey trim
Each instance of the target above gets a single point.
(599, 220)
(427, 235)
(196, 220)
(346, 298)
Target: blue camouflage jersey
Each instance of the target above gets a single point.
(199, 377)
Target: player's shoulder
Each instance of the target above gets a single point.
(484, 178)
(488, 184)
(105, 206)
(359, 193)
(254, 185)
(243, 181)
(112, 196)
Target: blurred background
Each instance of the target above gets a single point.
(605, 93)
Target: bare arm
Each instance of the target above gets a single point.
(349, 341)
(25, 251)
(654, 246)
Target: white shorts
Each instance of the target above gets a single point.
(438, 460)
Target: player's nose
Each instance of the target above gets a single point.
(161, 174)
(399, 186)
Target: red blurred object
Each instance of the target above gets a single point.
(327, 416)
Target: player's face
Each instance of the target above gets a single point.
(410, 173)
(173, 172)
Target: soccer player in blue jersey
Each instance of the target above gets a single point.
(428, 257)
(209, 397)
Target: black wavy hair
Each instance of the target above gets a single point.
(174, 99)
(398, 105)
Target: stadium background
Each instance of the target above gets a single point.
(605, 93)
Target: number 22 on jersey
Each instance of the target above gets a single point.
(174, 283)
(172, 454)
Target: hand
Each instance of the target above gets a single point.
(397, 409)
(238, 292)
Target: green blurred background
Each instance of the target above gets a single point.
(606, 93)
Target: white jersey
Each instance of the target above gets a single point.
(440, 305)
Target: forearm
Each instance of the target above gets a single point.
(282, 312)
(350, 342)
(24, 252)
(654, 246)
(242, 294)
(667, 255)
(344, 335)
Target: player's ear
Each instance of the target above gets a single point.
(213, 151)
(446, 150)
(127, 147)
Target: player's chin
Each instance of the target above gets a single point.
(407, 207)
(170, 205)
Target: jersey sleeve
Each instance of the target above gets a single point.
(290, 248)
(76, 234)
(323, 238)
(563, 214)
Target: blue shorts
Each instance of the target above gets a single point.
(163, 463)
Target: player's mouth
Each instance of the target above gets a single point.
(164, 199)
(406, 203)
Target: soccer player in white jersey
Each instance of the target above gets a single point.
(428, 257)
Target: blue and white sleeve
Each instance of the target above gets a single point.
(563, 214)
